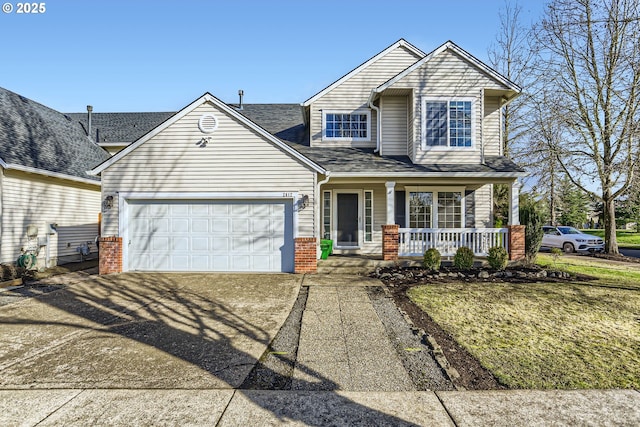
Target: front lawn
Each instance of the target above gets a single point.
(626, 239)
(547, 335)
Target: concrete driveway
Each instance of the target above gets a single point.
(144, 331)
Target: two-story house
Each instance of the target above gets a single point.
(396, 156)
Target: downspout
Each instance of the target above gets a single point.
(482, 126)
(378, 120)
(318, 204)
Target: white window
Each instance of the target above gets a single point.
(447, 123)
(346, 126)
(326, 215)
(420, 208)
(368, 216)
(435, 209)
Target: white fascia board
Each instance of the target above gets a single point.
(466, 55)
(207, 97)
(355, 71)
(43, 172)
(225, 195)
(429, 175)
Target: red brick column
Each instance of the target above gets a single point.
(110, 254)
(390, 240)
(306, 259)
(516, 242)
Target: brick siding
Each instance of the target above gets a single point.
(390, 236)
(110, 254)
(306, 259)
(516, 242)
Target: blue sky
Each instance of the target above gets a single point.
(160, 55)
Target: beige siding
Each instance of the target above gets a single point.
(236, 159)
(448, 75)
(492, 143)
(394, 125)
(410, 126)
(353, 94)
(484, 206)
(39, 200)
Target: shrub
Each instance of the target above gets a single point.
(431, 259)
(463, 259)
(555, 254)
(533, 221)
(498, 258)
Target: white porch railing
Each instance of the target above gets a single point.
(415, 241)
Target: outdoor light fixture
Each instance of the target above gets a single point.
(107, 203)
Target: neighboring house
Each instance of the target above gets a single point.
(44, 156)
(398, 155)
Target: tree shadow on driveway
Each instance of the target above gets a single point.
(165, 331)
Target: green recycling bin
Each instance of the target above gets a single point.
(326, 248)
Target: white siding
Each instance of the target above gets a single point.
(448, 75)
(235, 160)
(354, 93)
(394, 125)
(39, 200)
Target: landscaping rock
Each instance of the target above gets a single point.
(483, 274)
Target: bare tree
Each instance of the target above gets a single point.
(590, 52)
(511, 56)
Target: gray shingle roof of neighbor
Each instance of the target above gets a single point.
(37, 136)
(285, 122)
(120, 127)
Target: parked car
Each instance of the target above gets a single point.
(570, 239)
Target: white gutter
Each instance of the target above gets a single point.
(389, 175)
(378, 121)
(28, 169)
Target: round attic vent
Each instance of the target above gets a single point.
(208, 123)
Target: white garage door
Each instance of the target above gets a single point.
(247, 235)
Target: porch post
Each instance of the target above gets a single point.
(391, 198)
(514, 203)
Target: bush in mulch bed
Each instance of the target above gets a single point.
(516, 274)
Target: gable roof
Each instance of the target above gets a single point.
(207, 97)
(363, 66)
(449, 45)
(35, 138)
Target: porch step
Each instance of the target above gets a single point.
(337, 264)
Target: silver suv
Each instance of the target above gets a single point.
(570, 239)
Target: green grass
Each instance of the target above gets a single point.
(626, 239)
(547, 335)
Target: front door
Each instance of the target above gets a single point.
(347, 220)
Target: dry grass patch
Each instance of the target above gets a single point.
(543, 335)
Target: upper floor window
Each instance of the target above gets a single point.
(447, 123)
(346, 126)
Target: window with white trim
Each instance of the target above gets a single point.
(368, 216)
(346, 126)
(431, 208)
(326, 215)
(447, 123)
(420, 209)
(450, 209)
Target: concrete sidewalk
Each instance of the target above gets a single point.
(318, 408)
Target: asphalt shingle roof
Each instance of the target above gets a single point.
(120, 127)
(285, 122)
(37, 136)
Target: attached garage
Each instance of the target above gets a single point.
(210, 235)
